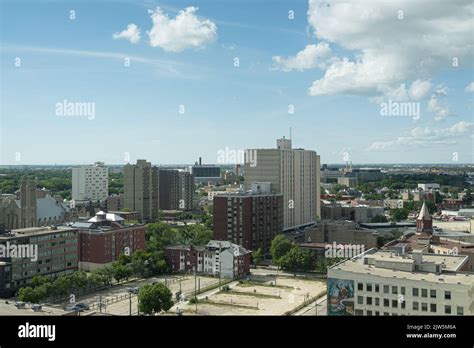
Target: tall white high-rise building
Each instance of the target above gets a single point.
(291, 172)
(90, 182)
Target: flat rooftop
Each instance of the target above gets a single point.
(448, 276)
(32, 231)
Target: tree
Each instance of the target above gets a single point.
(121, 271)
(279, 247)
(154, 298)
(30, 295)
(397, 215)
(257, 256)
(296, 259)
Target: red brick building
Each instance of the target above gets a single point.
(250, 220)
(104, 237)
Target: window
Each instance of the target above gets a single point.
(415, 292)
(402, 305)
(394, 289)
(402, 290)
(386, 289)
(460, 310)
(360, 286)
(359, 312)
(394, 304)
(360, 300)
(377, 288)
(424, 307)
(369, 312)
(377, 301)
(369, 301)
(433, 293)
(433, 308)
(369, 287)
(377, 313)
(424, 292)
(447, 295)
(447, 309)
(386, 302)
(416, 306)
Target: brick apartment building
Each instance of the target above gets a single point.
(248, 219)
(57, 254)
(217, 257)
(104, 237)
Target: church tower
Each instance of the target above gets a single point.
(424, 223)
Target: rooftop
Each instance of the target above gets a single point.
(367, 263)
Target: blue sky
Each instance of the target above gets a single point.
(335, 64)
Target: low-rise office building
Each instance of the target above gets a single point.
(53, 252)
(387, 283)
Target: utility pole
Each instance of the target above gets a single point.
(195, 288)
(220, 268)
(130, 303)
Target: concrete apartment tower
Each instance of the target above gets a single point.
(293, 173)
(28, 202)
(141, 186)
(176, 190)
(90, 182)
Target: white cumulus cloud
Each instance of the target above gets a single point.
(312, 56)
(132, 34)
(393, 42)
(184, 31)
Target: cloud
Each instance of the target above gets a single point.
(132, 34)
(419, 89)
(470, 87)
(426, 136)
(184, 31)
(438, 106)
(168, 67)
(312, 56)
(390, 47)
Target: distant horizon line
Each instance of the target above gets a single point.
(233, 164)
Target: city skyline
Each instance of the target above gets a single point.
(203, 76)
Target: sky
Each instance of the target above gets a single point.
(171, 81)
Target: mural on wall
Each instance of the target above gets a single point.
(340, 297)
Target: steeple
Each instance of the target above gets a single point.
(424, 223)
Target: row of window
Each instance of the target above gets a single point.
(395, 290)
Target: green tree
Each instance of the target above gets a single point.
(121, 271)
(154, 298)
(296, 259)
(257, 256)
(279, 247)
(398, 214)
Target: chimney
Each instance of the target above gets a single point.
(200, 161)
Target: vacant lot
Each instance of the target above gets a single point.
(271, 297)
